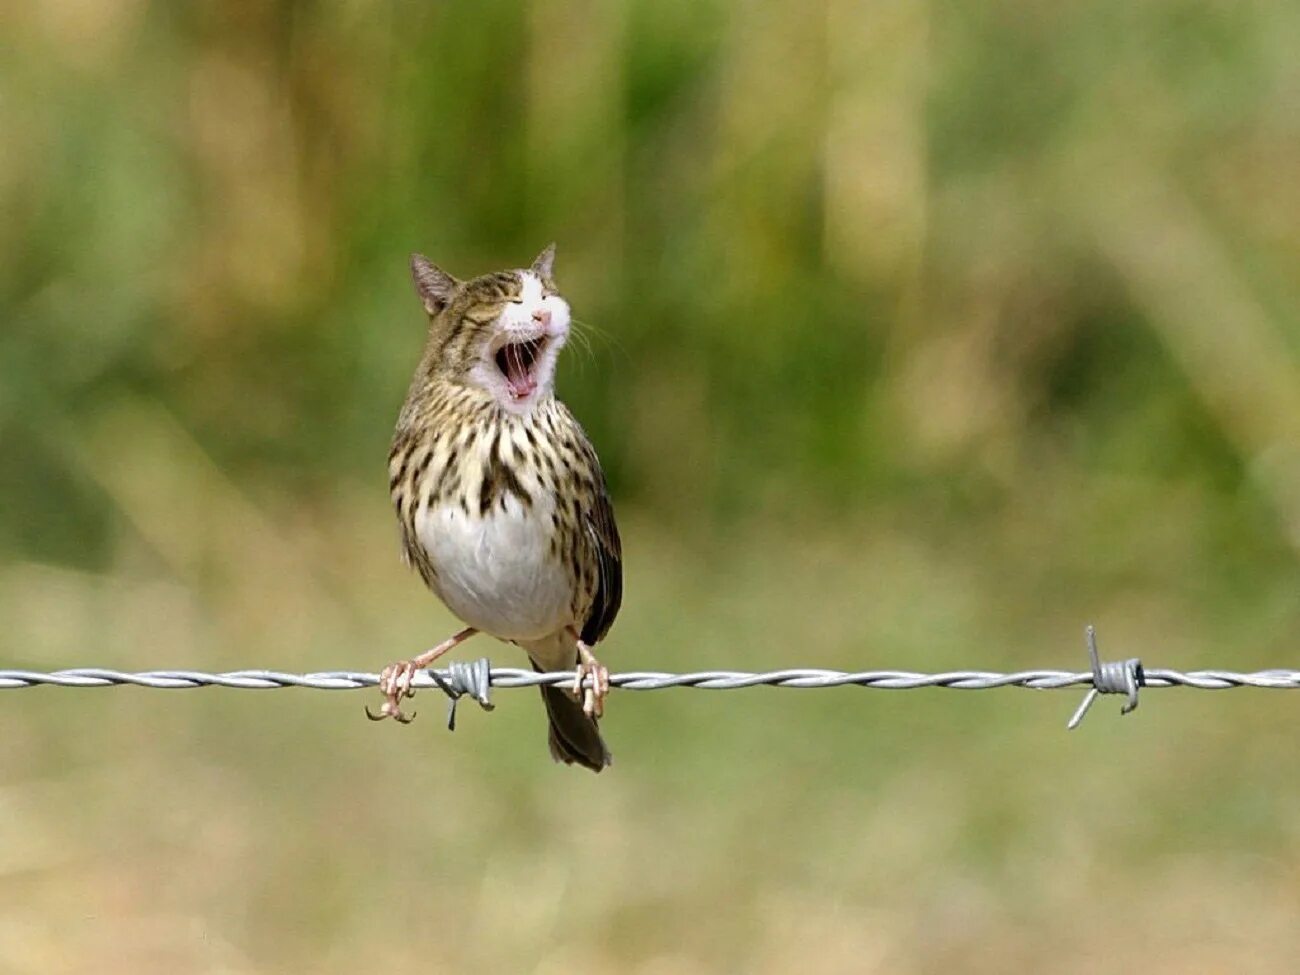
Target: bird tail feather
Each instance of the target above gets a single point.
(574, 736)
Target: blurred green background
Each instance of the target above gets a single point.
(922, 334)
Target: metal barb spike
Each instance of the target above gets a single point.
(1114, 677)
(474, 679)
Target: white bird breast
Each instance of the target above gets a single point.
(495, 571)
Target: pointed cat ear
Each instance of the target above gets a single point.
(434, 285)
(545, 262)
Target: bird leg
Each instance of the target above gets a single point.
(591, 679)
(395, 679)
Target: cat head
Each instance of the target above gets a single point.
(499, 333)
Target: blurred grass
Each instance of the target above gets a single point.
(922, 336)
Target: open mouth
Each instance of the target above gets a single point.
(517, 362)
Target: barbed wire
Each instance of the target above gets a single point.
(475, 678)
(711, 680)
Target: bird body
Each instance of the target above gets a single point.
(501, 502)
(492, 547)
(495, 572)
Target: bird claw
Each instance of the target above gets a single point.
(395, 684)
(395, 679)
(388, 711)
(591, 680)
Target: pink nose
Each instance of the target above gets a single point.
(542, 316)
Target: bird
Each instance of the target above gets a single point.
(502, 506)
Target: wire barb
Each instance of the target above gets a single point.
(474, 679)
(1112, 677)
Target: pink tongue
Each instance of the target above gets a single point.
(518, 377)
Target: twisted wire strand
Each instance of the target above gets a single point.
(716, 680)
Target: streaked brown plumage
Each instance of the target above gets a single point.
(501, 502)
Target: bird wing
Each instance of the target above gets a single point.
(602, 534)
(599, 536)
